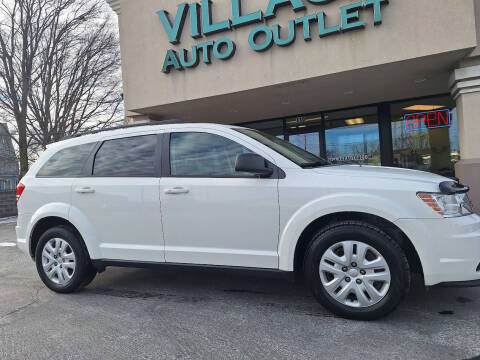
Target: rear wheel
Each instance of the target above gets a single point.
(357, 271)
(62, 262)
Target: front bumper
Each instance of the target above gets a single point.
(449, 249)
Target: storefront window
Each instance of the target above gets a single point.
(424, 134)
(352, 136)
(423, 137)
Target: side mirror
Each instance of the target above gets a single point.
(254, 164)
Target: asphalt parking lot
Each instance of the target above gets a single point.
(207, 314)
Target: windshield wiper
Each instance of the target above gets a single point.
(314, 164)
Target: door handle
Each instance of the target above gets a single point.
(176, 191)
(84, 190)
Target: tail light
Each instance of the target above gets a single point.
(20, 188)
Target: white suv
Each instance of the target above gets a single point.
(209, 194)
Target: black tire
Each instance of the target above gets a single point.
(82, 260)
(89, 276)
(380, 241)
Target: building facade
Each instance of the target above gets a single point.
(8, 174)
(8, 161)
(393, 83)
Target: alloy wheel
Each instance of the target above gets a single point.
(355, 274)
(58, 261)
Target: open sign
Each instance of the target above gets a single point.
(427, 120)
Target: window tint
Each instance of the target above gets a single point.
(202, 154)
(68, 162)
(127, 157)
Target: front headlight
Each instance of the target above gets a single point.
(448, 205)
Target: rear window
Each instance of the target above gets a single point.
(68, 162)
(126, 157)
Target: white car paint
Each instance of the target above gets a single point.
(243, 222)
(202, 226)
(124, 214)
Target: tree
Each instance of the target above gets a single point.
(59, 71)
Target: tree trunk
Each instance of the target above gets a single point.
(22, 144)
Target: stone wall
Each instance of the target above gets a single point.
(8, 204)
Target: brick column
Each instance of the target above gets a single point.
(465, 89)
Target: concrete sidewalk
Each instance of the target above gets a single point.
(8, 220)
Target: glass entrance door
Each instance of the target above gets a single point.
(309, 142)
(343, 136)
(306, 132)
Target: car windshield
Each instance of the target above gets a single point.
(291, 152)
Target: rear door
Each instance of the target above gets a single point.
(120, 200)
(53, 182)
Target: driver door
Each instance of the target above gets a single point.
(212, 214)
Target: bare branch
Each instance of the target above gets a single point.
(59, 70)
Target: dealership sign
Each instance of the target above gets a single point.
(427, 120)
(262, 37)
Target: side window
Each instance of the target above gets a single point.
(126, 157)
(204, 155)
(68, 162)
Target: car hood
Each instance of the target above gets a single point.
(376, 172)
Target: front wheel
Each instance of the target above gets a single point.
(62, 262)
(357, 271)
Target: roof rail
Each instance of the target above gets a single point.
(163, 122)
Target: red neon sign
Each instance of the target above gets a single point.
(427, 120)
